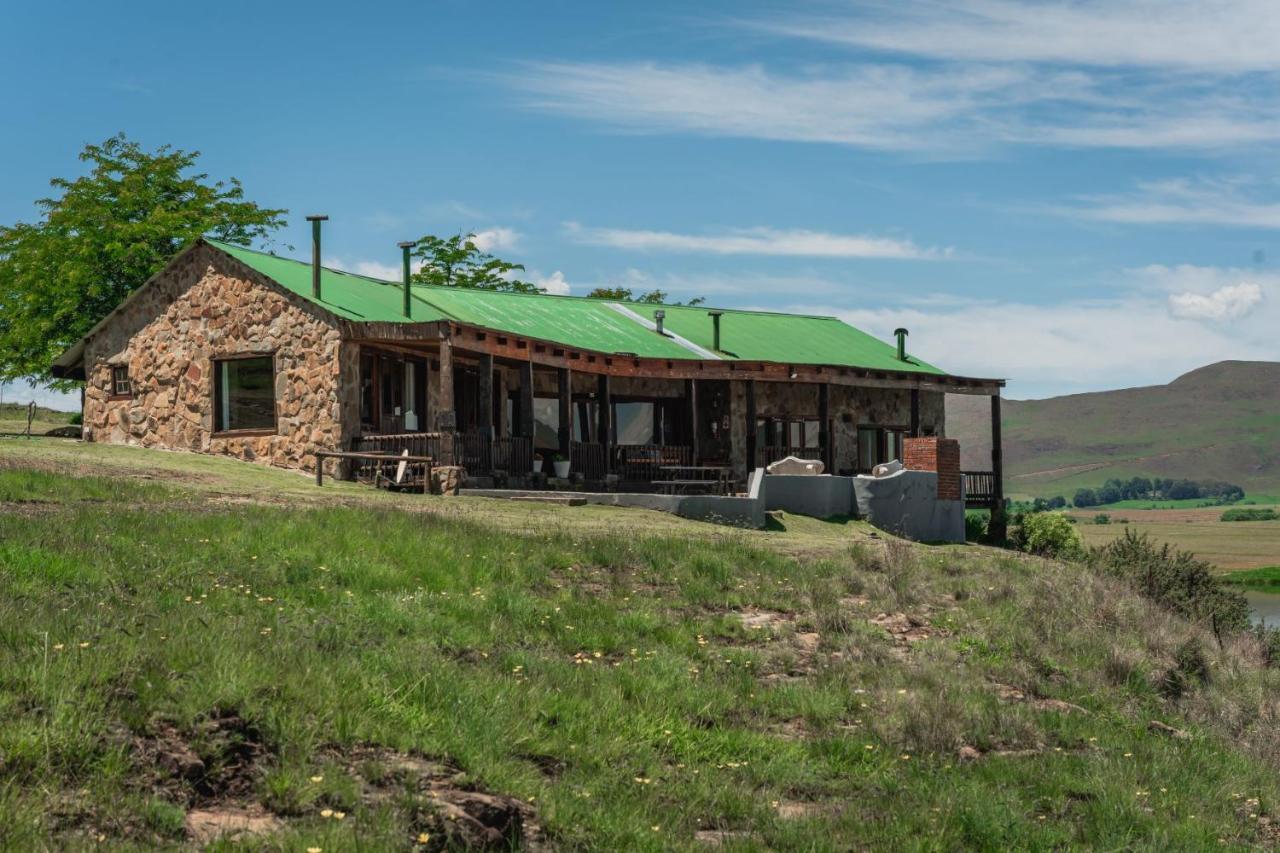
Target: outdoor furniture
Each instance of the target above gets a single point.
(695, 479)
(405, 471)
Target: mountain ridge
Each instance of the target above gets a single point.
(1217, 422)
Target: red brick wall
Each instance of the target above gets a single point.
(941, 455)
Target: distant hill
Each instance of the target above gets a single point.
(1220, 422)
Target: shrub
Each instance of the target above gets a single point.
(1190, 668)
(975, 526)
(76, 420)
(1175, 579)
(1049, 534)
(1102, 518)
(1258, 514)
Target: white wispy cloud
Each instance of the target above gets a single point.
(555, 283)
(1163, 321)
(946, 108)
(497, 239)
(757, 241)
(1198, 35)
(1226, 303)
(1232, 201)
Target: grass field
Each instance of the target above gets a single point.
(13, 419)
(189, 643)
(1228, 545)
(1264, 579)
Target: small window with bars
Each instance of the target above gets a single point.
(120, 386)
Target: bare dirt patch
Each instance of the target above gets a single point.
(1008, 693)
(905, 629)
(213, 769)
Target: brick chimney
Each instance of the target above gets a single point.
(940, 455)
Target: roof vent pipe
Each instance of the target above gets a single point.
(404, 248)
(658, 317)
(315, 253)
(715, 329)
(902, 343)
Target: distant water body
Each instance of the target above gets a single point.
(1264, 607)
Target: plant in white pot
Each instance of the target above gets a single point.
(537, 463)
(561, 465)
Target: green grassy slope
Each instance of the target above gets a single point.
(347, 673)
(1219, 422)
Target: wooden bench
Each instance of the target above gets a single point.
(402, 463)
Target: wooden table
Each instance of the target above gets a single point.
(717, 479)
(427, 461)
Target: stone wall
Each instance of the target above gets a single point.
(207, 306)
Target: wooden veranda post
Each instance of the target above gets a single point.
(751, 424)
(446, 387)
(484, 392)
(691, 394)
(604, 419)
(824, 427)
(564, 388)
(526, 399)
(915, 412)
(998, 528)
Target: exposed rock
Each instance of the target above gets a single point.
(229, 824)
(720, 837)
(903, 628)
(1159, 728)
(795, 466)
(968, 753)
(447, 479)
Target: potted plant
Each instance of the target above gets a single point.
(537, 463)
(561, 465)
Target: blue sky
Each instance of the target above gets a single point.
(1075, 196)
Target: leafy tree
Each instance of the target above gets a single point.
(458, 262)
(1057, 502)
(1085, 497)
(626, 294)
(102, 236)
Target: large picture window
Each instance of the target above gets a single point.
(244, 394)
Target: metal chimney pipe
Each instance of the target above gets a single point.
(902, 343)
(404, 248)
(715, 329)
(315, 253)
(658, 317)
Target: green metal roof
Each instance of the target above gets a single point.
(350, 296)
(594, 324)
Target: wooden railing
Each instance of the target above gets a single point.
(589, 460)
(513, 454)
(642, 463)
(767, 455)
(979, 488)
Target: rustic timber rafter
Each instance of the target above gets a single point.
(507, 347)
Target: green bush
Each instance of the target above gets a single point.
(1049, 534)
(1102, 518)
(76, 420)
(1258, 514)
(975, 526)
(1175, 579)
(1190, 668)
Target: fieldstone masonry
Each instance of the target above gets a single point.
(204, 307)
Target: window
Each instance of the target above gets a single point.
(120, 386)
(244, 394)
(877, 445)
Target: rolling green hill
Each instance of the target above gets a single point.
(1220, 422)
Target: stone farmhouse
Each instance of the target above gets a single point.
(236, 352)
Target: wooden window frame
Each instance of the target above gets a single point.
(882, 442)
(216, 393)
(114, 392)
